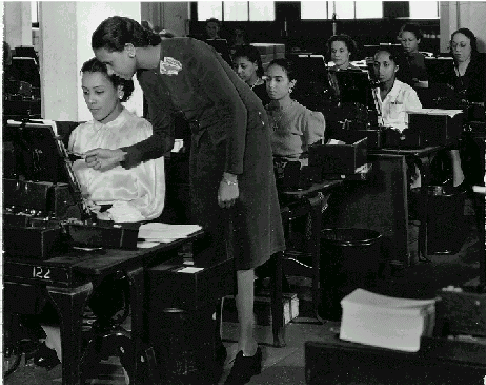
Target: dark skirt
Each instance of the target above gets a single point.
(252, 230)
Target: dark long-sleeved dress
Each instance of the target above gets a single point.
(471, 86)
(230, 133)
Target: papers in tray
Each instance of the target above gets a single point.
(388, 322)
(153, 233)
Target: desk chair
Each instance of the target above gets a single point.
(105, 336)
(299, 261)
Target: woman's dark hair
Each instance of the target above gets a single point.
(94, 65)
(113, 33)
(6, 51)
(466, 32)
(412, 28)
(252, 54)
(244, 34)
(348, 42)
(213, 20)
(287, 66)
(394, 57)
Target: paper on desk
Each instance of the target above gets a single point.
(190, 270)
(162, 232)
(367, 298)
(388, 322)
(432, 111)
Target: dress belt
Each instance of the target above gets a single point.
(196, 130)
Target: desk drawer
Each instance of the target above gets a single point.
(171, 287)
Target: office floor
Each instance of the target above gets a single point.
(286, 365)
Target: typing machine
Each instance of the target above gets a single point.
(44, 212)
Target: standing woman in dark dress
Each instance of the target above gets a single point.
(233, 190)
(247, 63)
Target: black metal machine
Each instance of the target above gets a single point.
(43, 200)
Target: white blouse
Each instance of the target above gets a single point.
(401, 99)
(137, 193)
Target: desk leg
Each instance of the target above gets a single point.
(277, 306)
(423, 165)
(136, 284)
(70, 305)
(318, 205)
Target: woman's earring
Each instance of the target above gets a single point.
(120, 96)
(290, 90)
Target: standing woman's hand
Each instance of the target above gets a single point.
(100, 159)
(228, 191)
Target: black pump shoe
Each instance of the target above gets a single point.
(46, 358)
(244, 368)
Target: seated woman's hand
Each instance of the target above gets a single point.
(101, 159)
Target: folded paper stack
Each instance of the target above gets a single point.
(151, 234)
(388, 322)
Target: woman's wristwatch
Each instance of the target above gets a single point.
(229, 182)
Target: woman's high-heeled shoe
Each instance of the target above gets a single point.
(46, 358)
(244, 368)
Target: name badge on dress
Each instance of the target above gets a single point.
(170, 66)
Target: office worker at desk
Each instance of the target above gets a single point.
(413, 70)
(247, 63)
(231, 177)
(340, 49)
(394, 96)
(112, 192)
(293, 126)
(124, 195)
(466, 83)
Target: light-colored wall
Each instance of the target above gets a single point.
(17, 23)
(458, 14)
(66, 29)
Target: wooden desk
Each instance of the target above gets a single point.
(423, 158)
(381, 202)
(294, 262)
(67, 281)
(439, 362)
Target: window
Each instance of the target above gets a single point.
(261, 11)
(236, 10)
(35, 12)
(369, 9)
(345, 9)
(208, 9)
(321, 10)
(315, 10)
(424, 9)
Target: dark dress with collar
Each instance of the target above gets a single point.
(230, 133)
(471, 86)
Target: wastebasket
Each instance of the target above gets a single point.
(350, 259)
(446, 222)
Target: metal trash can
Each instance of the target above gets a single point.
(446, 222)
(350, 259)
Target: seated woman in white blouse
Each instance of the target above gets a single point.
(131, 195)
(394, 97)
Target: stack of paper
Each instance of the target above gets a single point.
(388, 322)
(152, 234)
